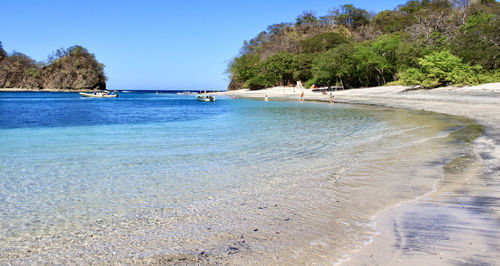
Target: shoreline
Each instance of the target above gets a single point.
(457, 224)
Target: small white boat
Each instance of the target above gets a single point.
(99, 94)
(206, 98)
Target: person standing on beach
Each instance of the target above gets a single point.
(332, 98)
(302, 96)
(265, 98)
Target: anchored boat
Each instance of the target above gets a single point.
(99, 94)
(206, 98)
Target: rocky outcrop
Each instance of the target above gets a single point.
(234, 85)
(71, 69)
(19, 71)
(75, 69)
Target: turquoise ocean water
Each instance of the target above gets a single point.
(166, 179)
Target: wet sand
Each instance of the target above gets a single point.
(459, 222)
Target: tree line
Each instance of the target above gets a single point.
(66, 69)
(422, 42)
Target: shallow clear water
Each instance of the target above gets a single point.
(165, 178)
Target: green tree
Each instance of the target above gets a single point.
(303, 71)
(398, 51)
(388, 21)
(245, 67)
(324, 69)
(413, 6)
(307, 18)
(323, 42)
(280, 68)
(258, 82)
(350, 16)
(407, 56)
(442, 68)
(478, 40)
(371, 68)
(355, 48)
(334, 66)
(387, 46)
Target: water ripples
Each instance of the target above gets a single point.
(166, 179)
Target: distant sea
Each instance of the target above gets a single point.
(163, 178)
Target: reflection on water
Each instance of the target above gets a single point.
(164, 178)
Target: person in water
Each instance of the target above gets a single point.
(265, 98)
(302, 96)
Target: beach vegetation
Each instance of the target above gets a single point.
(478, 40)
(280, 67)
(259, 82)
(303, 68)
(245, 67)
(283, 69)
(421, 42)
(442, 68)
(335, 66)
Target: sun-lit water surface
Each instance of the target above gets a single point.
(165, 178)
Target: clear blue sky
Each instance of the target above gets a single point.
(170, 44)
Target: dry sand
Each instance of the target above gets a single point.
(459, 223)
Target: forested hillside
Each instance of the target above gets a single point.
(428, 43)
(67, 69)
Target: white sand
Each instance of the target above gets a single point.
(454, 225)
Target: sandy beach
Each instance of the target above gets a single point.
(459, 222)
